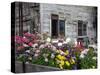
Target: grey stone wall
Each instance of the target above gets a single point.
(30, 16)
(71, 14)
(33, 68)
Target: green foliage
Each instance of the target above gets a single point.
(88, 62)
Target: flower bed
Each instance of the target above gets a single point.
(60, 53)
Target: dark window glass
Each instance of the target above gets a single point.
(62, 27)
(82, 28)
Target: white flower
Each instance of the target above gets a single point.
(94, 58)
(36, 54)
(48, 39)
(59, 44)
(34, 45)
(46, 44)
(27, 51)
(46, 60)
(85, 51)
(41, 46)
(64, 42)
(54, 41)
(37, 51)
(52, 55)
(75, 42)
(54, 48)
(45, 55)
(68, 40)
(25, 45)
(82, 56)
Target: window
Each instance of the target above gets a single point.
(82, 28)
(62, 27)
(57, 26)
(54, 26)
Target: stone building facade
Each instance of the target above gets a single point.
(26, 17)
(74, 21)
(69, 20)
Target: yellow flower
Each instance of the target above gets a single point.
(72, 61)
(67, 63)
(60, 57)
(67, 52)
(62, 62)
(61, 67)
(57, 51)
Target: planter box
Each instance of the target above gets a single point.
(33, 68)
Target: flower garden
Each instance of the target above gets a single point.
(60, 53)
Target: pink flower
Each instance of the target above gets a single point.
(28, 34)
(18, 39)
(30, 44)
(24, 39)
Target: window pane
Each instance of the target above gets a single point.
(84, 32)
(80, 28)
(79, 32)
(62, 27)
